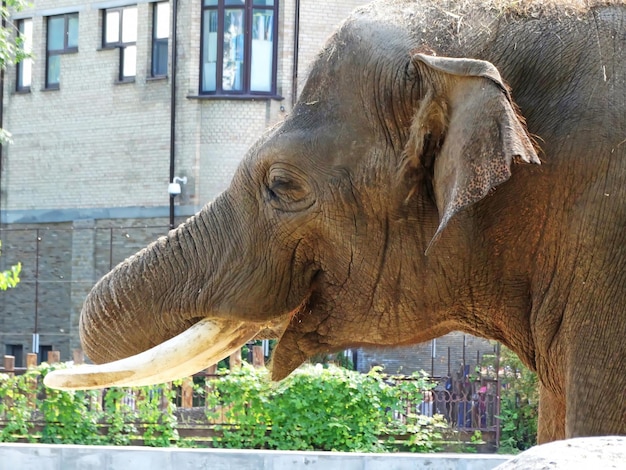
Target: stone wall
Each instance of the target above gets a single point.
(60, 264)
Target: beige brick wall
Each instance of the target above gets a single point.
(95, 143)
(318, 20)
(92, 143)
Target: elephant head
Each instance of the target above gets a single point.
(347, 224)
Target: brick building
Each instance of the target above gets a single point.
(102, 125)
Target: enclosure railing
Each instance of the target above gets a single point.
(467, 405)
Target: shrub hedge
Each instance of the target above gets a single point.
(321, 408)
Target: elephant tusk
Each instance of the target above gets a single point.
(200, 346)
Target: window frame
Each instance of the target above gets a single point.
(20, 67)
(120, 43)
(245, 93)
(159, 42)
(58, 52)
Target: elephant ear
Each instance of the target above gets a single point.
(465, 134)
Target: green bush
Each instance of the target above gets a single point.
(319, 408)
(14, 407)
(519, 402)
(11, 277)
(330, 409)
(315, 408)
(77, 417)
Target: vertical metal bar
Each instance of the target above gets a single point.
(174, 14)
(464, 362)
(497, 404)
(110, 248)
(296, 47)
(433, 353)
(37, 282)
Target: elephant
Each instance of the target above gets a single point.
(447, 167)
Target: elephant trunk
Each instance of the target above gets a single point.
(154, 314)
(163, 291)
(150, 297)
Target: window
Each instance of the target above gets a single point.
(62, 39)
(120, 30)
(25, 66)
(43, 353)
(239, 47)
(160, 35)
(17, 351)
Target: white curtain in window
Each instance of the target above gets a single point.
(129, 25)
(129, 61)
(209, 51)
(262, 51)
(112, 26)
(26, 66)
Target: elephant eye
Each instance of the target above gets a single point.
(287, 190)
(283, 188)
(272, 194)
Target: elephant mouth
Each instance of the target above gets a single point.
(203, 344)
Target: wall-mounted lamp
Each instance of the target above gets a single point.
(174, 187)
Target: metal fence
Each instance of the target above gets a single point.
(468, 403)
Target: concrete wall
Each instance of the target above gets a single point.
(58, 457)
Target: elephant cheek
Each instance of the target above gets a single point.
(301, 340)
(287, 356)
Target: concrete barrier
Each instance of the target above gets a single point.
(70, 457)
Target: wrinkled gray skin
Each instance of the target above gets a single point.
(327, 222)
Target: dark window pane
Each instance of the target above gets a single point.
(159, 58)
(262, 50)
(72, 31)
(232, 70)
(54, 70)
(43, 353)
(209, 51)
(56, 33)
(17, 351)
